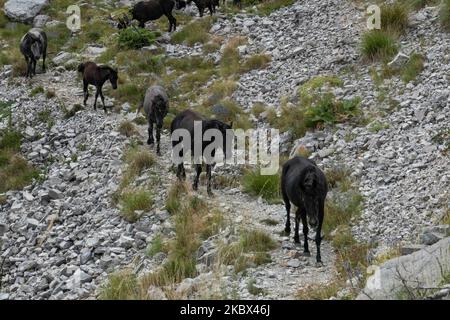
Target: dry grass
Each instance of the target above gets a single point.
(127, 128)
(133, 201)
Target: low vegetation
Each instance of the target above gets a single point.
(133, 201)
(394, 18)
(194, 32)
(264, 186)
(252, 249)
(127, 128)
(318, 107)
(15, 171)
(378, 45)
(135, 38)
(444, 14)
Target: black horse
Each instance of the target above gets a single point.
(33, 46)
(144, 11)
(203, 4)
(156, 105)
(304, 185)
(97, 76)
(185, 120)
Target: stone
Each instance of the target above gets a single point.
(79, 277)
(27, 196)
(61, 58)
(3, 229)
(33, 223)
(429, 238)
(126, 242)
(40, 20)
(85, 255)
(4, 296)
(55, 194)
(421, 268)
(27, 265)
(408, 249)
(293, 263)
(400, 60)
(156, 293)
(24, 10)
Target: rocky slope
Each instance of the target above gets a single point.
(64, 236)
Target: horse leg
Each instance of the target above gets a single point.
(305, 232)
(198, 170)
(103, 100)
(287, 204)
(34, 66)
(209, 176)
(210, 7)
(319, 231)
(150, 140)
(43, 60)
(158, 139)
(28, 66)
(297, 222)
(86, 91)
(96, 97)
(141, 24)
(172, 21)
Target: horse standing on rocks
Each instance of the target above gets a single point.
(97, 76)
(144, 11)
(304, 185)
(33, 46)
(186, 120)
(203, 4)
(156, 106)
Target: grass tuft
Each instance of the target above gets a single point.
(264, 186)
(378, 45)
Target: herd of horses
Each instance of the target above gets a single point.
(303, 184)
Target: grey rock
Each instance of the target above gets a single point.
(3, 229)
(24, 10)
(429, 238)
(40, 20)
(422, 268)
(4, 296)
(62, 58)
(293, 263)
(408, 249)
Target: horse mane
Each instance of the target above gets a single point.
(107, 68)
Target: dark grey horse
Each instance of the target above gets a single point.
(304, 185)
(156, 106)
(185, 120)
(97, 76)
(33, 46)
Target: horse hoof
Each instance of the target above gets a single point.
(319, 264)
(287, 230)
(296, 240)
(150, 142)
(306, 254)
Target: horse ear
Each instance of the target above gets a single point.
(231, 124)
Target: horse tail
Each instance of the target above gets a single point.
(81, 67)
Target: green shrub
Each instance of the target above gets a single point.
(444, 14)
(135, 38)
(266, 187)
(194, 32)
(413, 68)
(394, 18)
(378, 45)
(133, 201)
(122, 285)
